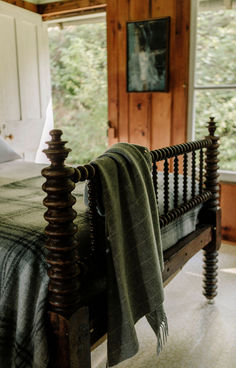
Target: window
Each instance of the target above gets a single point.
(79, 84)
(213, 78)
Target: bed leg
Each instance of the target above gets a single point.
(210, 274)
(212, 214)
(70, 339)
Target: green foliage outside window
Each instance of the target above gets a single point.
(79, 88)
(216, 65)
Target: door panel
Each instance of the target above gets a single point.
(25, 91)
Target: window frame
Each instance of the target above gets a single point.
(225, 175)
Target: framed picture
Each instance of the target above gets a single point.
(148, 55)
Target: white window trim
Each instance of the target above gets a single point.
(226, 176)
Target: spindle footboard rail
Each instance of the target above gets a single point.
(164, 154)
(67, 272)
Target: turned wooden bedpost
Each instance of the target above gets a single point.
(213, 214)
(68, 323)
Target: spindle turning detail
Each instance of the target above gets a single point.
(213, 213)
(64, 270)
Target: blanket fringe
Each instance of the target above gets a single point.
(159, 324)
(162, 334)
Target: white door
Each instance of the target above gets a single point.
(25, 91)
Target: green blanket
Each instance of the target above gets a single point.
(135, 259)
(23, 272)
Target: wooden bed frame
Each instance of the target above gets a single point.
(71, 297)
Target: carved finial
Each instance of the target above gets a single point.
(212, 126)
(56, 135)
(56, 151)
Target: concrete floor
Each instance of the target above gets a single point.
(201, 335)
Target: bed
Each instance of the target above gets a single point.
(72, 312)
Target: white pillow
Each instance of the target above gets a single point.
(6, 152)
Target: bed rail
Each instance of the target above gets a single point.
(188, 168)
(66, 270)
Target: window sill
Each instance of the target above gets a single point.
(227, 176)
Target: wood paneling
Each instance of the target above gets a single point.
(139, 118)
(227, 202)
(72, 13)
(123, 15)
(181, 70)
(162, 102)
(161, 120)
(61, 8)
(139, 103)
(112, 65)
(152, 119)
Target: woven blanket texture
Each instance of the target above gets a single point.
(23, 275)
(135, 260)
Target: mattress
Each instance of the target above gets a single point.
(18, 170)
(184, 225)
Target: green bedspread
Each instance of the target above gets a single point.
(23, 274)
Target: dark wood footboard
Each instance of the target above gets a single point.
(67, 271)
(208, 234)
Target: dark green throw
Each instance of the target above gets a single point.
(135, 258)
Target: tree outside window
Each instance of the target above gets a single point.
(215, 75)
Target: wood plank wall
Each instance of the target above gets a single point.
(227, 202)
(152, 119)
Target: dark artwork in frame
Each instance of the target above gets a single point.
(148, 55)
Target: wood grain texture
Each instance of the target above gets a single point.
(162, 102)
(65, 7)
(180, 75)
(139, 103)
(73, 13)
(139, 10)
(122, 16)
(178, 255)
(139, 118)
(70, 340)
(112, 65)
(227, 200)
(161, 120)
(152, 119)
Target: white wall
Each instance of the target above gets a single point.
(25, 97)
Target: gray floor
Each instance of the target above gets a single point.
(200, 335)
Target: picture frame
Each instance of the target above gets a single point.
(148, 55)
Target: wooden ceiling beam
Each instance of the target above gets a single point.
(69, 7)
(72, 14)
(23, 4)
